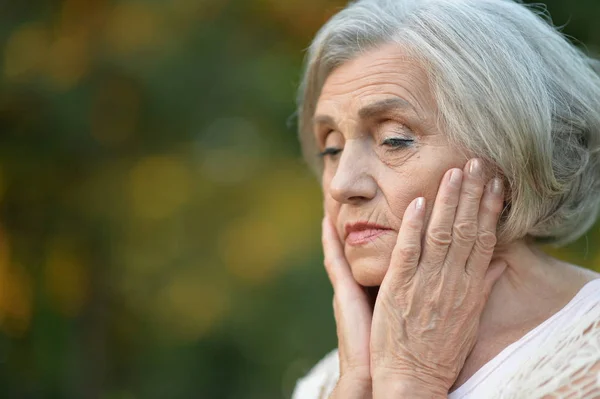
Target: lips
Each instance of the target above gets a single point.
(362, 233)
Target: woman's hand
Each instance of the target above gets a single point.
(353, 321)
(427, 311)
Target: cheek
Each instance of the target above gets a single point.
(399, 188)
(330, 205)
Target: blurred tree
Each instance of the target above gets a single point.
(159, 234)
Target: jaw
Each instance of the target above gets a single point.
(369, 263)
(368, 271)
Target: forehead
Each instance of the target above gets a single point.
(385, 72)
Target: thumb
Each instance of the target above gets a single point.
(494, 272)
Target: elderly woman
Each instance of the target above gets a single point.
(454, 136)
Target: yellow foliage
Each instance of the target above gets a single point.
(292, 199)
(101, 194)
(67, 60)
(16, 293)
(159, 186)
(115, 112)
(16, 300)
(83, 17)
(186, 13)
(252, 249)
(66, 279)
(300, 16)
(283, 224)
(25, 52)
(134, 26)
(191, 303)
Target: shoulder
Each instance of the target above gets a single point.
(569, 363)
(320, 380)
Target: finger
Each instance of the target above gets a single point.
(353, 318)
(351, 309)
(350, 297)
(490, 209)
(464, 230)
(438, 235)
(337, 268)
(406, 253)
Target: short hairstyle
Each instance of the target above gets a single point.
(510, 89)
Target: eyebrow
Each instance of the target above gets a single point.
(383, 106)
(372, 110)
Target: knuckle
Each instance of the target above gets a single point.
(439, 237)
(413, 224)
(410, 253)
(449, 201)
(474, 192)
(486, 241)
(493, 206)
(464, 232)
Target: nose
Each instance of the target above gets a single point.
(353, 181)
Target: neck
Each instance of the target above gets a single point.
(533, 287)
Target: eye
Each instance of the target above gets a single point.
(397, 142)
(333, 144)
(330, 151)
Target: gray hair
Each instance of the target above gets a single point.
(509, 89)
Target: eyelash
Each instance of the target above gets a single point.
(331, 151)
(395, 142)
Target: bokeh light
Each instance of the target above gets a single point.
(159, 232)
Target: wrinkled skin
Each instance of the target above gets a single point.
(375, 121)
(370, 180)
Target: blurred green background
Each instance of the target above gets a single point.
(159, 233)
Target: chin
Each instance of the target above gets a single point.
(369, 271)
(369, 262)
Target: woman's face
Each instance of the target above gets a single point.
(375, 123)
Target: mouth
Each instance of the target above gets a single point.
(361, 233)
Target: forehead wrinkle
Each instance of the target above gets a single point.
(383, 106)
(379, 104)
(357, 90)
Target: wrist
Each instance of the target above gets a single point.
(401, 386)
(353, 386)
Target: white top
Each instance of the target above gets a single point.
(544, 360)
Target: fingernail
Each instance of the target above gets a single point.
(420, 203)
(475, 168)
(455, 176)
(497, 186)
